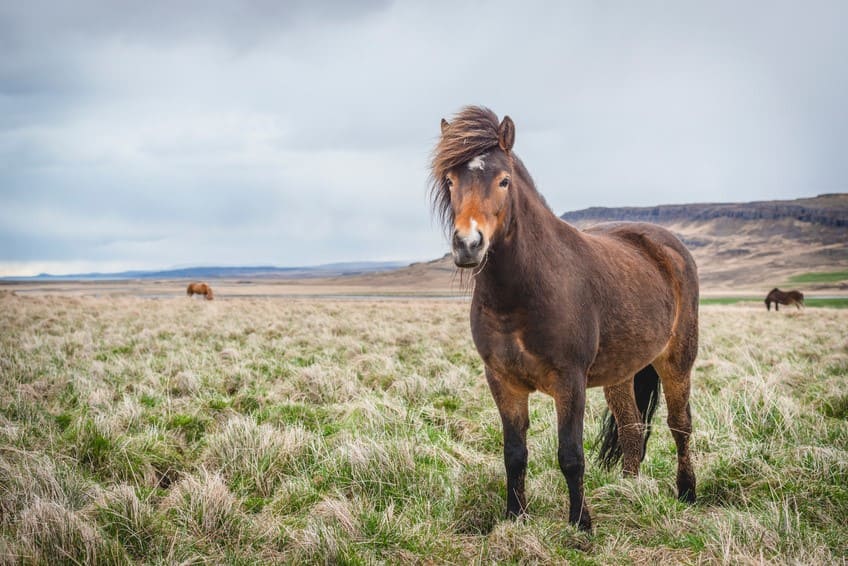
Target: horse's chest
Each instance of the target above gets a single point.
(510, 351)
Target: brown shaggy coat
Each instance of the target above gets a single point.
(556, 309)
(779, 297)
(200, 289)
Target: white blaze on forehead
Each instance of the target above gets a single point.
(477, 163)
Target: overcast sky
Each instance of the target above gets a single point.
(156, 134)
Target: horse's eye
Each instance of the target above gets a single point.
(448, 183)
(504, 183)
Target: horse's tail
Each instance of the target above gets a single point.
(646, 386)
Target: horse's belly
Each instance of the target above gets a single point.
(621, 357)
(611, 371)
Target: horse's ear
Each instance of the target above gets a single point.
(445, 125)
(506, 134)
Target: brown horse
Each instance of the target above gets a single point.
(200, 289)
(778, 297)
(557, 310)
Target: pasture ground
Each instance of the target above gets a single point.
(266, 430)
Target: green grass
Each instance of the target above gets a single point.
(292, 431)
(831, 302)
(728, 300)
(820, 277)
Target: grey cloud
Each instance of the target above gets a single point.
(297, 132)
(239, 23)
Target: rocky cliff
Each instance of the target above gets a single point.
(826, 210)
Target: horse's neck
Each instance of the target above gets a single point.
(521, 260)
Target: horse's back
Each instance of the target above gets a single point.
(785, 297)
(656, 242)
(198, 288)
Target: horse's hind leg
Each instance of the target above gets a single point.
(675, 372)
(622, 403)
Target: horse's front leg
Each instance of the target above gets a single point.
(512, 405)
(570, 399)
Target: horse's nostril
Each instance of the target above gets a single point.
(467, 244)
(478, 242)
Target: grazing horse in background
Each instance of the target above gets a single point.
(557, 310)
(200, 289)
(778, 297)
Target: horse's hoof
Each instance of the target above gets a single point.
(585, 525)
(583, 521)
(687, 496)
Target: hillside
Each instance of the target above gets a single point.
(738, 246)
(745, 244)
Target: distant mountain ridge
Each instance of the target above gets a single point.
(230, 272)
(827, 210)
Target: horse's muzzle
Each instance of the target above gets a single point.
(468, 251)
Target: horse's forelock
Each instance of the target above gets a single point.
(474, 130)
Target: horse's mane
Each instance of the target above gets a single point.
(472, 131)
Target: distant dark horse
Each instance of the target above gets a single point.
(199, 289)
(778, 297)
(557, 310)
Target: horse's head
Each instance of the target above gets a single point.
(472, 175)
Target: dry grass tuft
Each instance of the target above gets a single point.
(515, 542)
(27, 477)
(256, 457)
(50, 533)
(338, 511)
(203, 505)
(128, 519)
(184, 383)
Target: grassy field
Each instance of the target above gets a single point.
(820, 277)
(815, 302)
(260, 431)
